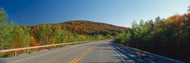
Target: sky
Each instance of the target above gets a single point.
(116, 12)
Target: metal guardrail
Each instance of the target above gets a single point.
(37, 47)
(154, 58)
(43, 46)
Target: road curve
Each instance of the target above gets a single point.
(93, 52)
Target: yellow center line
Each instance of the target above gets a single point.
(75, 60)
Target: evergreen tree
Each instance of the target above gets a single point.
(4, 30)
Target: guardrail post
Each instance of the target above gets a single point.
(44, 48)
(36, 49)
(15, 53)
(49, 47)
(26, 51)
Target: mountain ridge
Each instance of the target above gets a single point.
(87, 27)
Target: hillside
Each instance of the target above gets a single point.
(87, 27)
(167, 37)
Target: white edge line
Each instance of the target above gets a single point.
(118, 55)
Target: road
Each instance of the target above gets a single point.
(93, 52)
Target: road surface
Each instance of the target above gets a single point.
(93, 52)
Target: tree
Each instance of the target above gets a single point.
(3, 17)
(158, 20)
(33, 42)
(108, 36)
(141, 23)
(134, 24)
(26, 36)
(21, 38)
(58, 33)
(4, 30)
(46, 34)
(128, 38)
(188, 9)
(98, 37)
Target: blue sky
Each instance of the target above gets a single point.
(116, 12)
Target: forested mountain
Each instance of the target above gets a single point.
(86, 27)
(168, 37)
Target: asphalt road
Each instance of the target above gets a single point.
(93, 52)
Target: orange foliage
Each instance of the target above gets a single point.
(175, 18)
(178, 19)
(33, 42)
(85, 27)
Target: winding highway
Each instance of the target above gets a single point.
(93, 52)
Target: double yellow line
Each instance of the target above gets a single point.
(77, 59)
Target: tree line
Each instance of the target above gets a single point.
(168, 37)
(14, 36)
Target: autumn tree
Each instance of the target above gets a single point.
(21, 37)
(26, 36)
(46, 34)
(33, 41)
(58, 33)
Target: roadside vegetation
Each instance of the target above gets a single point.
(14, 36)
(168, 37)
